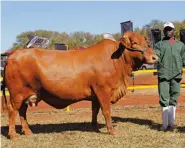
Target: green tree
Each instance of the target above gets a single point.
(86, 39)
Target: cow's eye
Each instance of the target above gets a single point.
(134, 43)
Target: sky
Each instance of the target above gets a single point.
(94, 17)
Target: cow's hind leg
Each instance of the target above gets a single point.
(32, 100)
(16, 104)
(12, 112)
(22, 113)
(95, 111)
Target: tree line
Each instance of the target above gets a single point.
(86, 39)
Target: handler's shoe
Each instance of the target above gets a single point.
(171, 116)
(164, 119)
(172, 128)
(162, 128)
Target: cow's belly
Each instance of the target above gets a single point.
(58, 102)
(76, 88)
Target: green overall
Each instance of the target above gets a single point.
(170, 63)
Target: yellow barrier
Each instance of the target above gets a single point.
(146, 86)
(6, 93)
(145, 71)
(150, 70)
(67, 108)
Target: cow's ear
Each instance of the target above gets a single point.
(120, 48)
(125, 42)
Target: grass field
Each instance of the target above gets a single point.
(137, 127)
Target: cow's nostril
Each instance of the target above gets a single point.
(154, 58)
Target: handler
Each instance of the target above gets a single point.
(171, 59)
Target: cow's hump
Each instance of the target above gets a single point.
(108, 36)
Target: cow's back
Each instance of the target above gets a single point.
(68, 74)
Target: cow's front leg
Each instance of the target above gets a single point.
(107, 114)
(95, 111)
(22, 113)
(104, 100)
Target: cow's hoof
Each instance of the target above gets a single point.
(14, 136)
(27, 132)
(113, 132)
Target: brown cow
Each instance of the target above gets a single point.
(98, 74)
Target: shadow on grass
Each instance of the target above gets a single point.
(54, 128)
(181, 129)
(84, 127)
(149, 123)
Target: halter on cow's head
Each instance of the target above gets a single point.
(137, 50)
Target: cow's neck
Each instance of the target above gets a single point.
(123, 75)
(128, 64)
(123, 72)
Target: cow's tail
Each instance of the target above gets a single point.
(3, 89)
(3, 86)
